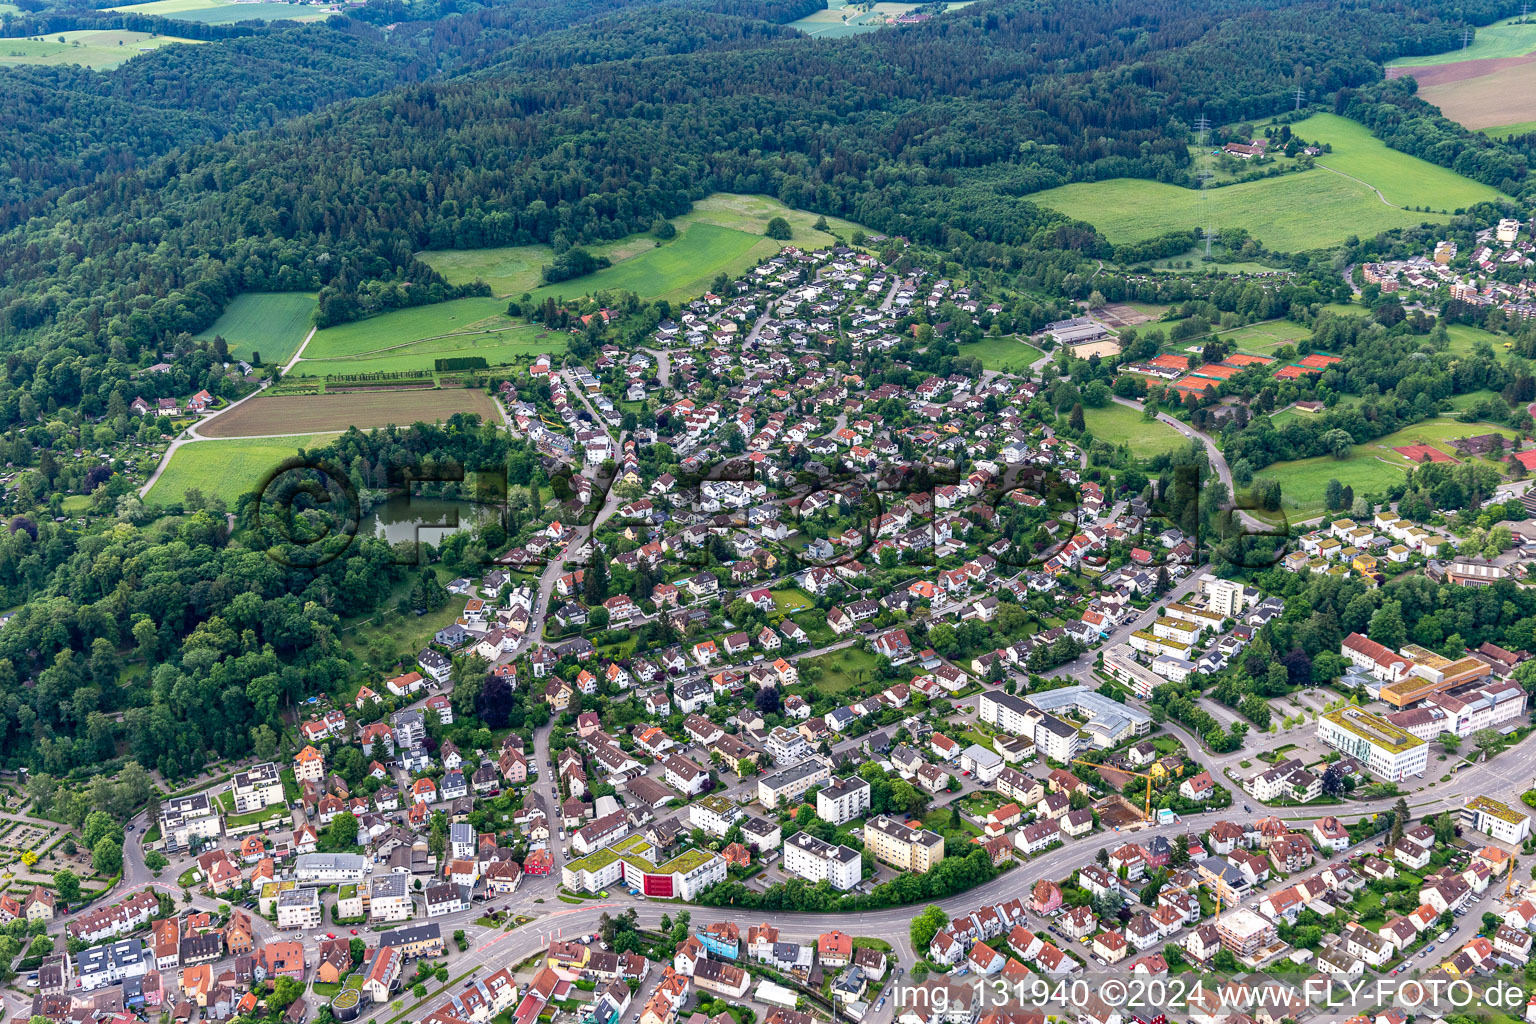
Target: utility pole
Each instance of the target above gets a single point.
(1203, 126)
(1466, 37)
(1300, 95)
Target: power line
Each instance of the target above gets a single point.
(1466, 36)
(1203, 126)
(1300, 95)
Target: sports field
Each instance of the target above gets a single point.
(1291, 213)
(1119, 424)
(271, 324)
(1404, 180)
(1002, 354)
(226, 468)
(88, 48)
(1264, 338)
(683, 268)
(224, 12)
(1507, 38)
(312, 414)
(1437, 433)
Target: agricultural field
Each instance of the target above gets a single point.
(1402, 179)
(226, 468)
(1119, 424)
(1008, 355)
(500, 347)
(101, 50)
(1291, 213)
(841, 18)
(271, 324)
(1512, 37)
(269, 415)
(731, 241)
(1499, 95)
(1264, 338)
(226, 12)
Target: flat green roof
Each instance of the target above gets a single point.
(1373, 729)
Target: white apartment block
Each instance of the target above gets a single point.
(842, 800)
(817, 861)
(1390, 752)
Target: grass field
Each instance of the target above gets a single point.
(1505, 130)
(1404, 180)
(1293, 213)
(223, 12)
(1501, 39)
(1465, 337)
(1264, 338)
(269, 323)
(226, 468)
(408, 326)
(683, 268)
(1003, 354)
(1119, 424)
(501, 347)
(1370, 468)
(88, 48)
(311, 414)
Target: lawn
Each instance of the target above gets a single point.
(732, 241)
(89, 48)
(1264, 338)
(1005, 355)
(311, 414)
(226, 468)
(1404, 180)
(1291, 213)
(790, 599)
(1436, 433)
(1118, 424)
(270, 324)
(223, 12)
(841, 670)
(1303, 481)
(1464, 337)
(1501, 39)
(1370, 468)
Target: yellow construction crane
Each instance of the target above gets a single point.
(1146, 811)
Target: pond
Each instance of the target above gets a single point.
(406, 518)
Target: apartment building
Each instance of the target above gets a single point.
(914, 850)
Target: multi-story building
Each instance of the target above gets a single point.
(331, 868)
(299, 908)
(389, 898)
(258, 787)
(1244, 932)
(793, 782)
(1496, 819)
(415, 941)
(1224, 597)
(112, 963)
(818, 861)
(910, 849)
(842, 800)
(187, 820)
(1392, 753)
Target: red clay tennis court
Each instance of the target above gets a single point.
(1418, 452)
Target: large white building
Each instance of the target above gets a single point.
(813, 859)
(1224, 597)
(1497, 819)
(1390, 752)
(299, 908)
(842, 800)
(1039, 717)
(258, 787)
(792, 783)
(330, 868)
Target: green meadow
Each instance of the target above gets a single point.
(272, 324)
(1404, 180)
(101, 50)
(227, 468)
(1501, 39)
